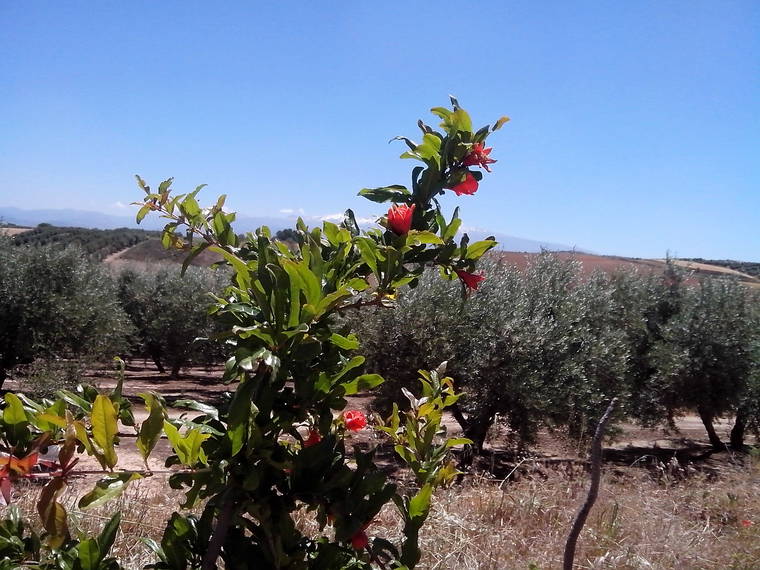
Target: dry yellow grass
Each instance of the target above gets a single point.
(13, 231)
(143, 514)
(713, 269)
(672, 519)
(637, 523)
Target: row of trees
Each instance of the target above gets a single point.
(96, 243)
(534, 347)
(544, 346)
(58, 305)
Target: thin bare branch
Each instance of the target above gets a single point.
(593, 492)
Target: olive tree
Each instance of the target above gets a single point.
(748, 409)
(170, 313)
(705, 358)
(652, 301)
(56, 304)
(530, 347)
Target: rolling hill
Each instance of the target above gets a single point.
(124, 242)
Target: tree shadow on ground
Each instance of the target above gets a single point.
(677, 458)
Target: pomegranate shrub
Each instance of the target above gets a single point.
(279, 446)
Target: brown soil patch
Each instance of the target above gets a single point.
(589, 262)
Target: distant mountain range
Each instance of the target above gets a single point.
(99, 220)
(73, 218)
(512, 243)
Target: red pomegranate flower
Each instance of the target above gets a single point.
(400, 219)
(314, 438)
(360, 540)
(468, 186)
(471, 280)
(355, 420)
(479, 157)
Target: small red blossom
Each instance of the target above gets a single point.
(747, 523)
(479, 157)
(314, 438)
(471, 280)
(355, 420)
(469, 186)
(400, 219)
(360, 540)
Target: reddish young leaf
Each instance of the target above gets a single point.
(24, 466)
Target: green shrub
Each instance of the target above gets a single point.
(704, 359)
(170, 314)
(56, 304)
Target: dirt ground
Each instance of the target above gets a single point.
(635, 446)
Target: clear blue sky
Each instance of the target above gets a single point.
(635, 125)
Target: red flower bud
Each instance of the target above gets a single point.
(400, 219)
(471, 280)
(468, 186)
(479, 157)
(314, 438)
(355, 420)
(360, 540)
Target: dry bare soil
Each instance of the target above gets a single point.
(666, 500)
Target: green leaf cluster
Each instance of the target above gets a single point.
(21, 544)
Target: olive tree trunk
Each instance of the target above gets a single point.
(707, 418)
(737, 432)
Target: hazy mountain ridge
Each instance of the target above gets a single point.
(103, 221)
(243, 224)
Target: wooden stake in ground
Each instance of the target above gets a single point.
(596, 474)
